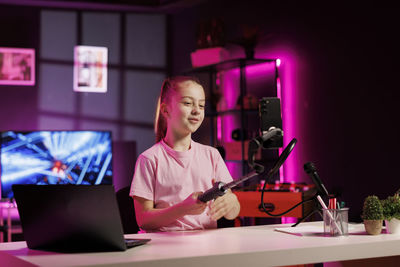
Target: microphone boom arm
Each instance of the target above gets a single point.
(220, 188)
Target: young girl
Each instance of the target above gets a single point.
(171, 174)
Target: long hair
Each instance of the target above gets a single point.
(169, 85)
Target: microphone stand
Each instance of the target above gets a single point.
(309, 214)
(220, 188)
(262, 142)
(256, 143)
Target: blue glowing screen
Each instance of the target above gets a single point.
(55, 157)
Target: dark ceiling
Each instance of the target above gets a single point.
(110, 5)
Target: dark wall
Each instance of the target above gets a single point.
(19, 28)
(347, 91)
(19, 107)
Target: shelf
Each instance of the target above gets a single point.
(8, 212)
(244, 109)
(230, 64)
(234, 151)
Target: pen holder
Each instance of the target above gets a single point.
(336, 222)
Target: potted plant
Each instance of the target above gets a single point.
(372, 215)
(391, 213)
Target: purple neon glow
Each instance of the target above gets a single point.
(288, 219)
(229, 85)
(286, 83)
(10, 209)
(219, 129)
(278, 62)
(288, 96)
(261, 70)
(234, 168)
(228, 82)
(219, 122)
(278, 88)
(279, 95)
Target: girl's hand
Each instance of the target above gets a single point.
(225, 206)
(192, 206)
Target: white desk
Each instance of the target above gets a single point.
(240, 246)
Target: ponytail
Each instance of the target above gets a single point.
(160, 124)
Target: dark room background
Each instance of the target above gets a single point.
(344, 79)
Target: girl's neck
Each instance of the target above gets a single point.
(178, 143)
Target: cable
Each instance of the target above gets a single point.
(283, 213)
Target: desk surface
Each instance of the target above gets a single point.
(239, 246)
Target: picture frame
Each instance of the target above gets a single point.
(90, 69)
(17, 66)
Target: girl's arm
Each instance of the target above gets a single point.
(150, 218)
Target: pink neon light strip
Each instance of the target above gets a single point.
(279, 95)
(219, 128)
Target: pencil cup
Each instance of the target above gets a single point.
(336, 222)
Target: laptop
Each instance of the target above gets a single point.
(71, 218)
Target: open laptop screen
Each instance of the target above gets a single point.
(70, 218)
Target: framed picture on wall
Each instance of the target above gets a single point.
(17, 66)
(90, 69)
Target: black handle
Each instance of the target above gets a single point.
(216, 191)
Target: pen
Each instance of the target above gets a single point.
(329, 214)
(332, 203)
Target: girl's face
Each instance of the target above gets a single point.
(185, 110)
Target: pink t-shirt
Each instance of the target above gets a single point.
(167, 177)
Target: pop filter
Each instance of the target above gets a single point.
(285, 153)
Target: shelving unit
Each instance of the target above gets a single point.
(242, 112)
(8, 210)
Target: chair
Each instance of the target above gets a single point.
(127, 211)
(225, 223)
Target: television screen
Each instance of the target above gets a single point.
(54, 157)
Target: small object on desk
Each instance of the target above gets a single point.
(340, 217)
(311, 230)
(329, 215)
(301, 230)
(332, 203)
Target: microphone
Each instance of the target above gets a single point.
(220, 188)
(310, 169)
